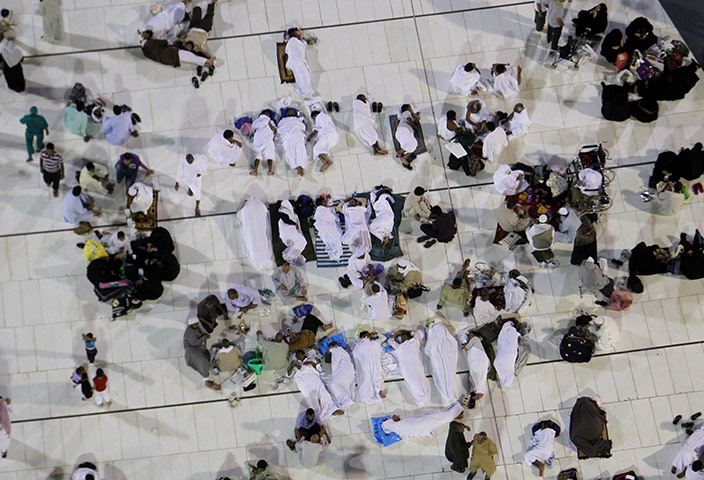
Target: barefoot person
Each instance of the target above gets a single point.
(326, 135)
(264, 130)
(191, 169)
(364, 125)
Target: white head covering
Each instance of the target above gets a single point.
(599, 321)
(563, 211)
(543, 218)
(359, 251)
(405, 267)
(132, 190)
(192, 321)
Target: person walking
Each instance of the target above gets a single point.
(36, 127)
(11, 58)
(89, 340)
(483, 452)
(86, 387)
(51, 164)
(5, 425)
(52, 20)
(127, 168)
(457, 447)
(102, 392)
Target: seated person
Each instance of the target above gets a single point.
(78, 208)
(261, 470)
(403, 276)
(240, 300)
(506, 80)
(488, 306)
(288, 283)
(665, 169)
(590, 181)
(604, 331)
(587, 427)
(119, 127)
(94, 177)
(612, 45)
(512, 217)
(442, 227)
(379, 305)
(416, 207)
(225, 356)
(448, 128)
(457, 293)
(591, 22)
(115, 242)
(466, 79)
(690, 162)
(517, 292)
(593, 279)
(208, 311)
(291, 234)
(140, 197)
(518, 122)
(382, 225)
(508, 181)
(291, 132)
(307, 424)
(408, 125)
(477, 115)
(692, 257)
(494, 142)
(360, 270)
(541, 449)
(668, 198)
(84, 120)
(639, 35)
(570, 222)
(423, 425)
(305, 338)
(649, 260)
(578, 344)
(309, 382)
(274, 352)
(541, 236)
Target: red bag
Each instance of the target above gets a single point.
(673, 61)
(620, 300)
(623, 61)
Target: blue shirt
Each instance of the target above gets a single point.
(303, 422)
(117, 129)
(90, 345)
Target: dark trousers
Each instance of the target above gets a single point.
(91, 353)
(539, 20)
(554, 36)
(52, 179)
(130, 176)
(199, 21)
(427, 229)
(312, 323)
(307, 433)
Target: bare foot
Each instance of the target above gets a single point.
(197, 212)
(270, 172)
(338, 412)
(381, 152)
(233, 164)
(325, 166)
(254, 173)
(109, 404)
(213, 385)
(386, 242)
(382, 394)
(477, 396)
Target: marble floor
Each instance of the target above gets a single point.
(163, 423)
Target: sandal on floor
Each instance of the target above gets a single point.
(329, 107)
(336, 106)
(195, 82)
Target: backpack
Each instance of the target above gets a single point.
(304, 206)
(614, 103)
(634, 284)
(644, 110)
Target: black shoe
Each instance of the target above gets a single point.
(336, 106)
(407, 166)
(195, 82)
(374, 108)
(430, 243)
(689, 431)
(80, 245)
(471, 476)
(687, 424)
(379, 107)
(601, 303)
(458, 470)
(329, 107)
(677, 419)
(618, 263)
(683, 237)
(696, 415)
(211, 70)
(98, 234)
(199, 70)
(472, 403)
(204, 76)
(423, 239)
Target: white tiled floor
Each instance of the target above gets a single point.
(163, 423)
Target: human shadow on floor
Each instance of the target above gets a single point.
(229, 468)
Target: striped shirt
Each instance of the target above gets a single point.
(52, 163)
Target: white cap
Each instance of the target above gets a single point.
(543, 218)
(192, 321)
(563, 211)
(599, 321)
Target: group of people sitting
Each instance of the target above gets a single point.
(672, 173)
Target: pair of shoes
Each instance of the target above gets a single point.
(407, 166)
(429, 243)
(345, 281)
(30, 159)
(696, 415)
(423, 239)
(377, 107)
(195, 82)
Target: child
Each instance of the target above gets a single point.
(77, 375)
(89, 341)
(86, 389)
(102, 393)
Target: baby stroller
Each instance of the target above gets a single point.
(573, 52)
(596, 200)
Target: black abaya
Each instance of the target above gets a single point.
(14, 76)
(456, 447)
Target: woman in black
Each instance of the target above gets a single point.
(592, 21)
(456, 447)
(584, 242)
(639, 35)
(612, 45)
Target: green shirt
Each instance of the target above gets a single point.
(35, 123)
(275, 354)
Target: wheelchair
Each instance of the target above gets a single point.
(592, 200)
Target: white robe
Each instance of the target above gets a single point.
(479, 366)
(313, 389)
(516, 297)
(264, 146)
(222, 151)
(378, 305)
(592, 181)
(114, 245)
(494, 144)
(356, 234)
(607, 335)
(506, 355)
(356, 267)
(292, 236)
(422, 426)
(409, 361)
(443, 131)
(161, 23)
(310, 454)
(292, 133)
(192, 174)
(364, 123)
(506, 84)
(327, 136)
(507, 181)
(367, 361)
(256, 239)
(296, 62)
(484, 311)
(567, 231)
(692, 475)
(73, 209)
(463, 83)
(143, 197)
(541, 447)
(328, 226)
(405, 135)
(441, 348)
(690, 450)
(519, 125)
(484, 115)
(343, 378)
(383, 223)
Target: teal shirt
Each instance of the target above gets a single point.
(35, 123)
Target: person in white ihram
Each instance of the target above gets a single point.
(191, 170)
(264, 147)
(364, 125)
(296, 61)
(325, 133)
(224, 148)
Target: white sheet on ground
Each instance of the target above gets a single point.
(367, 361)
(313, 389)
(424, 425)
(441, 348)
(364, 123)
(519, 125)
(343, 378)
(506, 354)
(256, 239)
(409, 360)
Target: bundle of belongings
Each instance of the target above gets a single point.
(127, 279)
(588, 430)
